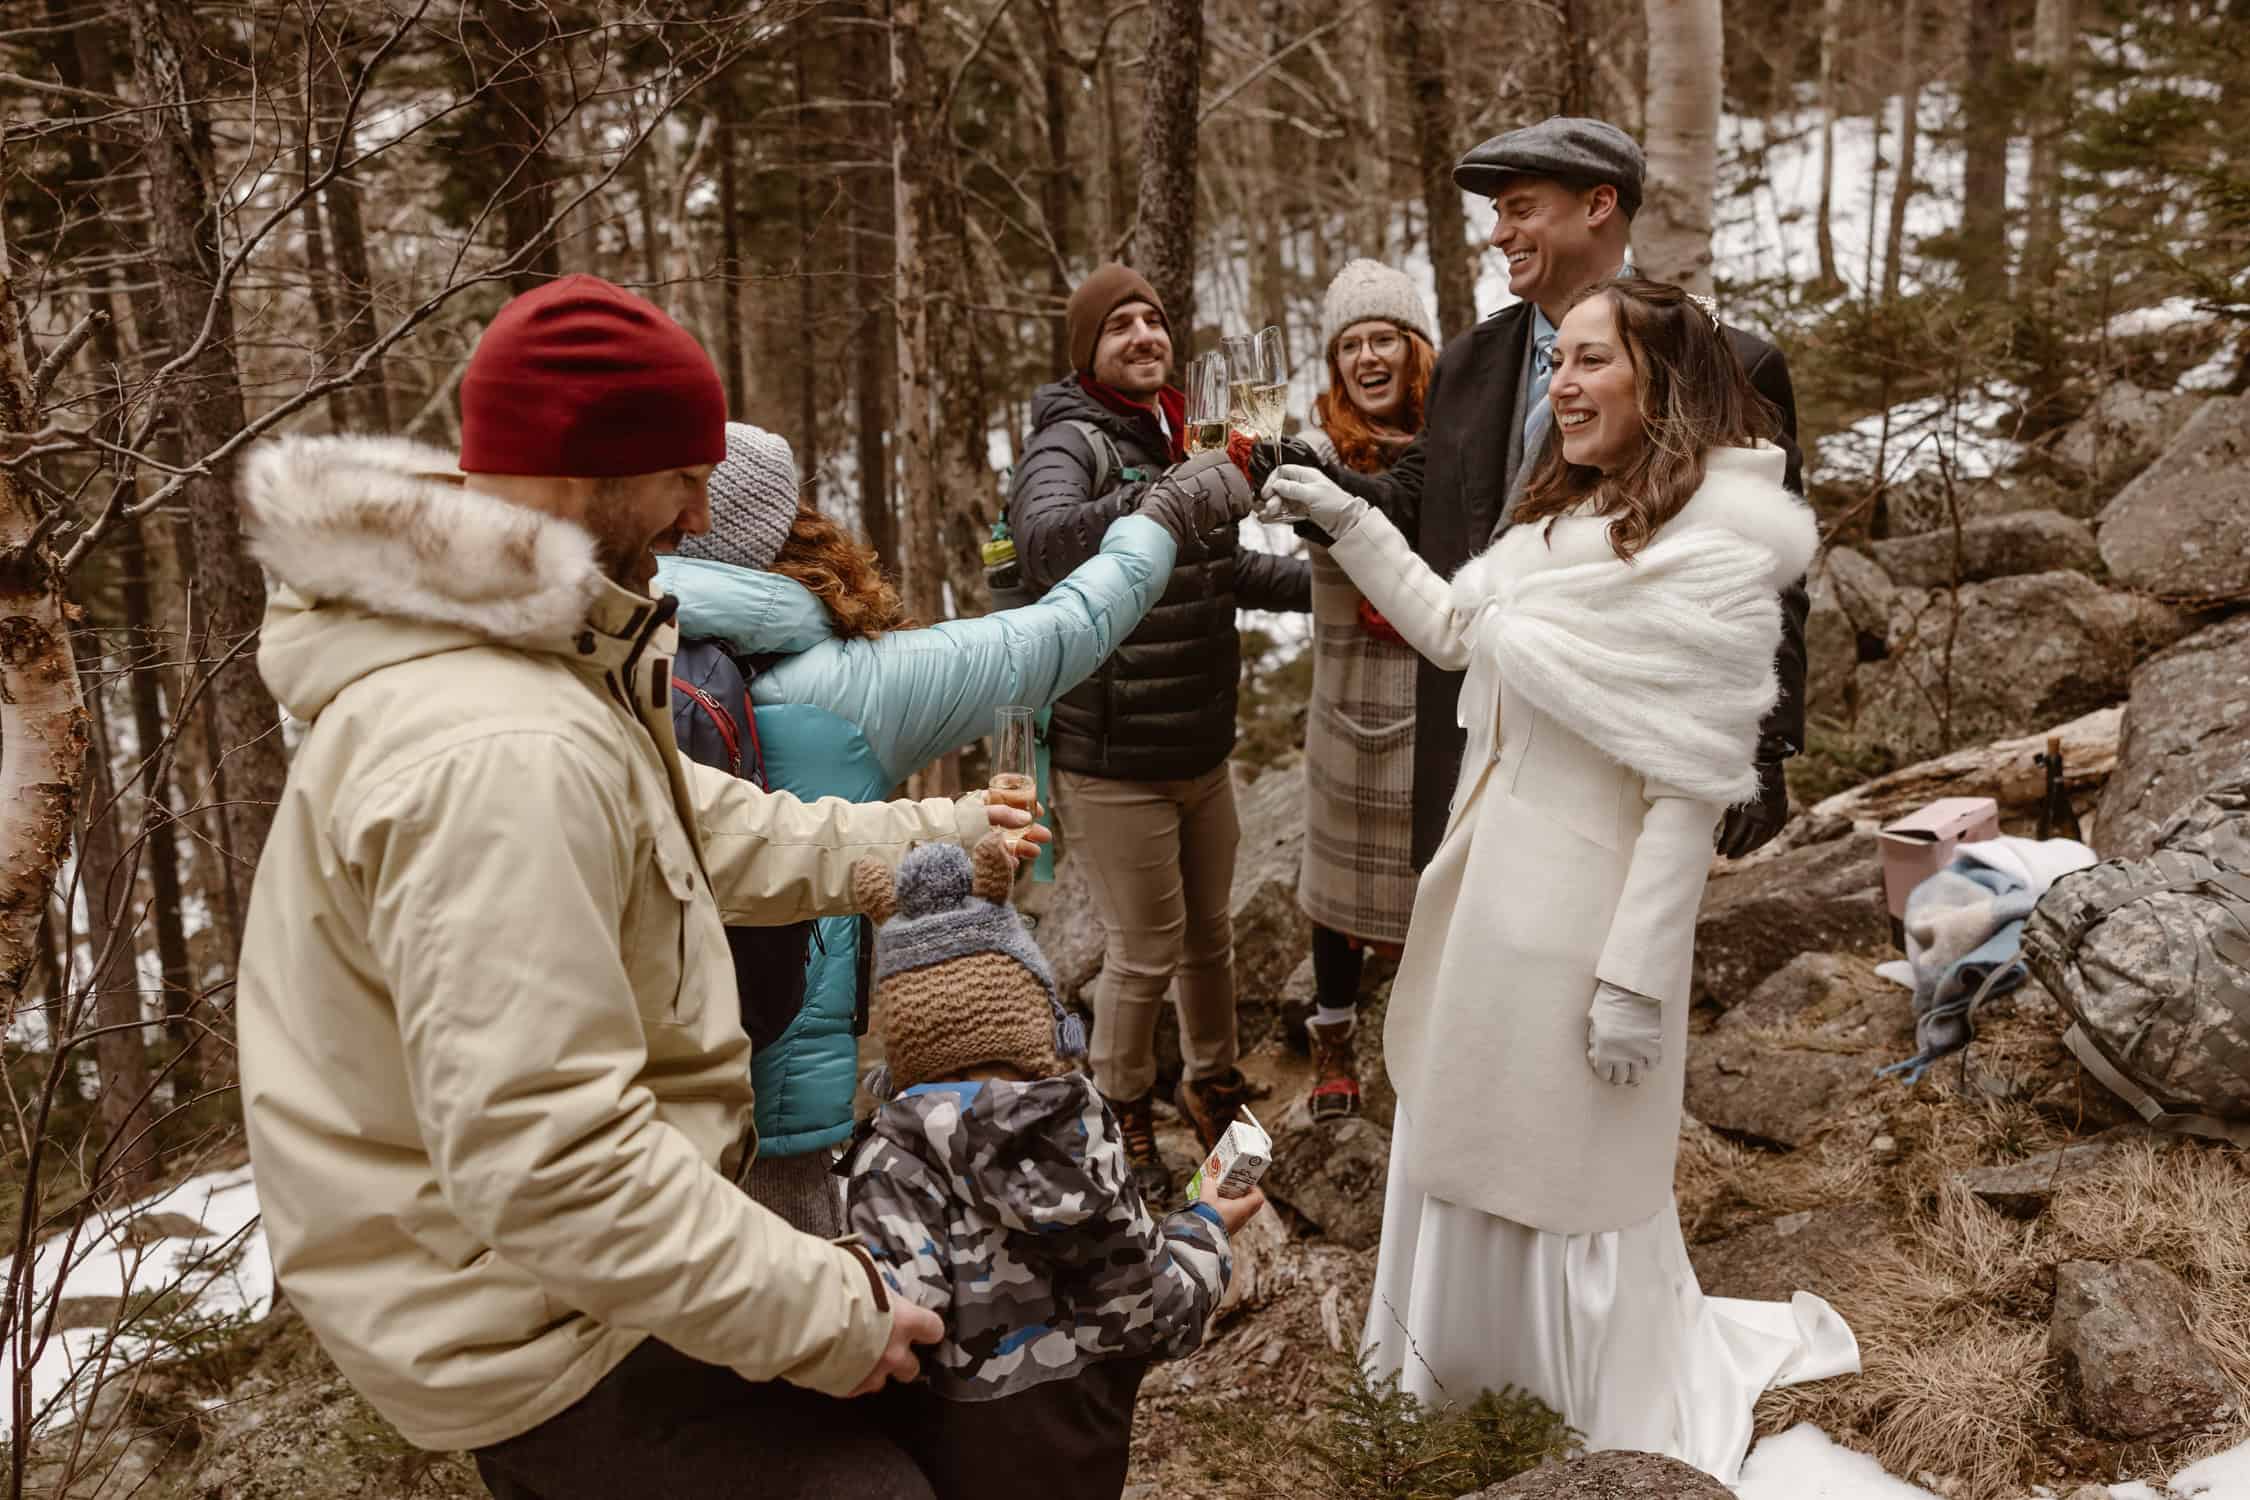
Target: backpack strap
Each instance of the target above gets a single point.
(721, 720)
(1109, 464)
(2146, 1104)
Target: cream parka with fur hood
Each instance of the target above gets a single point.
(1612, 713)
(492, 1067)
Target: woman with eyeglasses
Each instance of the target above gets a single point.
(1357, 879)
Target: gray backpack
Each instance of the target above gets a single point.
(2151, 958)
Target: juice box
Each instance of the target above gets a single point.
(1238, 1161)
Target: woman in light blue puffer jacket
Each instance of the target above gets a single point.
(847, 699)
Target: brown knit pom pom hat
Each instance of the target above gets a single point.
(959, 984)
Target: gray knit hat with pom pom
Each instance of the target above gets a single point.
(753, 501)
(959, 983)
(1367, 289)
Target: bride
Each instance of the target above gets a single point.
(1619, 642)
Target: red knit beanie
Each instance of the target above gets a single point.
(583, 380)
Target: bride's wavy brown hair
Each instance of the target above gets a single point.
(1357, 441)
(1694, 396)
(843, 574)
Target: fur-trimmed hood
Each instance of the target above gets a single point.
(382, 555)
(385, 524)
(1664, 663)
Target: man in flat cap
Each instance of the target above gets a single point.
(1563, 193)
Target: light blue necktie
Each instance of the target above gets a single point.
(1537, 418)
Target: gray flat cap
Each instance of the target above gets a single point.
(1560, 146)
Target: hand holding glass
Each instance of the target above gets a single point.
(1015, 772)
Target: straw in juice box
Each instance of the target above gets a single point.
(1238, 1161)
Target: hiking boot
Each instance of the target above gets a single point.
(1335, 1090)
(1210, 1104)
(1136, 1123)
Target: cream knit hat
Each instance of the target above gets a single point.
(753, 501)
(1368, 289)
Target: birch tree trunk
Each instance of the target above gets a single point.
(1910, 109)
(1419, 50)
(1164, 244)
(42, 715)
(1831, 43)
(1686, 57)
(1984, 173)
(184, 202)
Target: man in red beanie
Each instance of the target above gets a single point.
(1140, 748)
(493, 1072)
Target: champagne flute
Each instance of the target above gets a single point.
(1269, 387)
(1015, 771)
(1207, 404)
(1242, 370)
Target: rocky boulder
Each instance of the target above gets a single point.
(1615, 1475)
(2182, 528)
(2035, 649)
(2187, 726)
(2004, 546)
(2130, 1364)
(1756, 918)
(1789, 1059)
(1332, 1174)
(1848, 624)
(2023, 1189)
(2124, 426)
(1824, 1251)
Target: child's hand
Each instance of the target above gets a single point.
(1233, 1212)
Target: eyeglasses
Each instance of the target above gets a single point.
(1382, 346)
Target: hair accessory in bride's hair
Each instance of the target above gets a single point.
(1709, 306)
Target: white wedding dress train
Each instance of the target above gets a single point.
(1612, 1330)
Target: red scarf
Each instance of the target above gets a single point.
(1172, 399)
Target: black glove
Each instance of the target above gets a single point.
(1191, 500)
(1755, 822)
(1265, 457)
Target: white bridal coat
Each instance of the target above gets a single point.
(1612, 711)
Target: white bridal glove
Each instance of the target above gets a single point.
(1624, 1034)
(1294, 492)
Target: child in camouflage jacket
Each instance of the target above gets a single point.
(993, 1188)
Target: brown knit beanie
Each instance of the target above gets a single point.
(959, 983)
(1099, 295)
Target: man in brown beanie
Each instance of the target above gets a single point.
(1140, 749)
(493, 1070)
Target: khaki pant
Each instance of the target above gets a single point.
(1160, 858)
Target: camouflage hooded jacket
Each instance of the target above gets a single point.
(1009, 1210)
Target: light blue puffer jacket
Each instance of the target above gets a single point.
(854, 718)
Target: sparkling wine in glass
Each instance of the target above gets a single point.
(1014, 771)
(1207, 404)
(1242, 370)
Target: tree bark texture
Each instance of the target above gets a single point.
(1054, 187)
(329, 338)
(347, 236)
(106, 880)
(520, 116)
(1686, 60)
(1420, 52)
(157, 841)
(1984, 173)
(43, 731)
(809, 170)
(230, 592)
(1831, 44)
(2053, 52)
(870, 270)
(912, 181)
(1164, 244)
(1910, 133)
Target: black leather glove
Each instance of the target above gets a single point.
(1755, 822)
(1266, 457)
(1191, 500)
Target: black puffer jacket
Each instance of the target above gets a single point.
(1162, 707)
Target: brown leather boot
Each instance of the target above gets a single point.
(1210, 1104)
(1136, 1123)
(1335, 1090)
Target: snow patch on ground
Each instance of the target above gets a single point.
(227, 1274)
(1923, 435)
(2172, 312)
(1803, 1464)
(2224, 1476)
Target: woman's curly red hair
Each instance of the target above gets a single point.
(844, 575)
